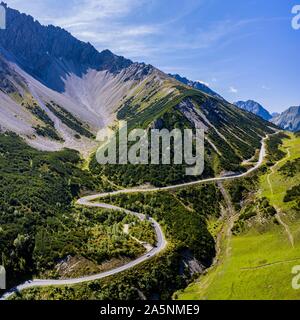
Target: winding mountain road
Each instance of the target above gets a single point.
(161, 241)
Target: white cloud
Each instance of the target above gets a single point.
(124, 26)
(104, 23)
(233, 90)
(89, 12)
(107, 24)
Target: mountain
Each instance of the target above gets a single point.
(196, 85)
(289, 119)
(57, 91)
(254, 107)
(48, 51)
(55, 87)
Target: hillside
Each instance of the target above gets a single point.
(43, 234)
(256, 261)
(231, 135)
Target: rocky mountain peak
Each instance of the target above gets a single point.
(289, 119)
(44, 50)
(254, 107)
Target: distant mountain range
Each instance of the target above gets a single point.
(288, 120)
(254, 107)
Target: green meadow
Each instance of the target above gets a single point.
(257, 263)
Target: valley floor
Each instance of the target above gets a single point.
(257, 264)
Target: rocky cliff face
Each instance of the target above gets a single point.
(50, 53)
(41, 65)
(289, 119)
(10, 81)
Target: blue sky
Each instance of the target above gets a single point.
(244, 49)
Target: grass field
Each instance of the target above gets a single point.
(279, 182)
(258, 264)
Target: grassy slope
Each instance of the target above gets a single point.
(234, 133)
(279, 182)
(268, 255)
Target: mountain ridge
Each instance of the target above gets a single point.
(40, 49)
(196, 85)
(289, 119)
(254, 107)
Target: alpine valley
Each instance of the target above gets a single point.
(147, 238)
